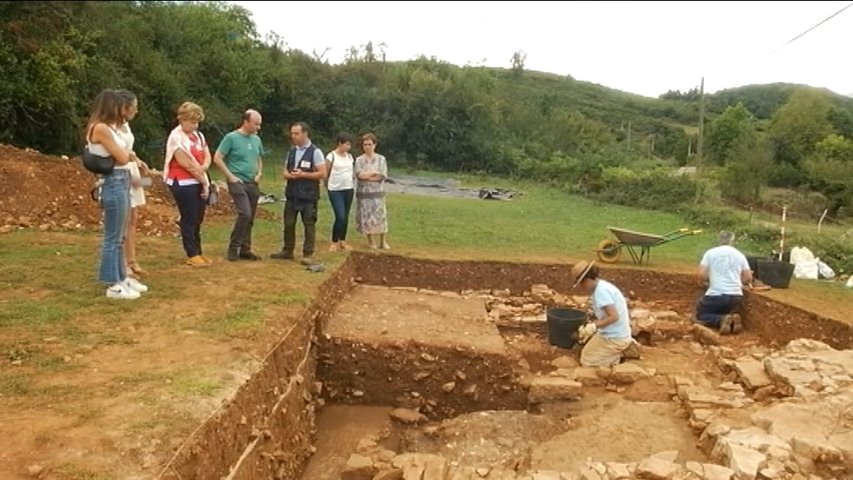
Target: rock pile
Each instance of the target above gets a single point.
(800, 414)
(803, 430)
(371, 462)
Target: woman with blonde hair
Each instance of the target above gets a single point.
(103, 140)
(371, 171)
(185, 171)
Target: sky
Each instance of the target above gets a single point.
(645, 48)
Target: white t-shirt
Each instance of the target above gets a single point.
(725, 264)
(607, 294)
(342, 174)
(128, 137)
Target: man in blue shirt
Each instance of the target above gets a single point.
(726, 270)
(611, 329)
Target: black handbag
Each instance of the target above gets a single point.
(97, 163)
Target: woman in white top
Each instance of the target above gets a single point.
(129, 107)
(340, 182)
(102, 139)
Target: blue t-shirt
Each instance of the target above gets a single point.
(724, 264)
(607, 294)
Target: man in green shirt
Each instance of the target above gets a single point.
(239, 157)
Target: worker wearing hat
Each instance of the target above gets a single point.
(609, 335)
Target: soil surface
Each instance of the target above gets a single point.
(52, 193)
(339, 428)
(381, 315)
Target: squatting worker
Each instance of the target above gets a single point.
(612, 324)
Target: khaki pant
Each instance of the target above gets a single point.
(603, 352)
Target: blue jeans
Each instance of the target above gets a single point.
(115, 200)
(341, 201)
(711, 309)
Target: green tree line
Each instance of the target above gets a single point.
(56, 56)
(607, 144)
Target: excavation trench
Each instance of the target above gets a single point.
(399, 365)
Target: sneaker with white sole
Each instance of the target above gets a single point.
(121, 291)
(135, 285)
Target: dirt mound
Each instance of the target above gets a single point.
(53, 193)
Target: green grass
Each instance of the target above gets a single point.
(15, 384)
(244, 318)
(183, 381)
(542, 223)
(193, 383)
(75, 472)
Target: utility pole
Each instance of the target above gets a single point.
(699, 141)
(629, 135)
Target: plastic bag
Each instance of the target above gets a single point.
(806, 270)
(824, 271)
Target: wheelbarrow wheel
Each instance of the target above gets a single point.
(609, 251)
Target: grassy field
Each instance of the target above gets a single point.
(543, 223)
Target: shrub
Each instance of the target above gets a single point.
(835, 252)
(653, 189)
(711, 217)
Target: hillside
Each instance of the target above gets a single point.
(764, 100)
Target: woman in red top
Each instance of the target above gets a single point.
(185, 171)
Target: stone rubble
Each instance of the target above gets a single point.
(804, 432)
(528, 312)
(428, 466)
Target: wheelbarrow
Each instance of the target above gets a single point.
(610, 250)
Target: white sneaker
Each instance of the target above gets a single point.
(135, 285)
(121, 291)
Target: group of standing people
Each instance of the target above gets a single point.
(239, 157)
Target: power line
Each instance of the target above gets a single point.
(812, 28)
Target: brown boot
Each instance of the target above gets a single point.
(737, 323)
(632, 352)
(726, 325)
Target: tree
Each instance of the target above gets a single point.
(749, 166)
(830, 170)
(517, 60)
(728, 131)
(797, 127)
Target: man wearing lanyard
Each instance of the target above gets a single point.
(304, 168)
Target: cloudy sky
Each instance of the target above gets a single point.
(639, 47)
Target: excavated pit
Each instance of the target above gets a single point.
(406, 368)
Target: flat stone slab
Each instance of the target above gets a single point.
(387, 316)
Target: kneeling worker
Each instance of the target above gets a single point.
(726, 270)
(611, 330)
